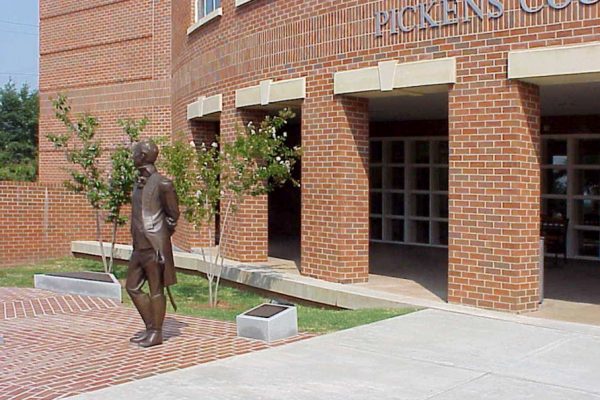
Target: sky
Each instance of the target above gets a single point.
(19, 49)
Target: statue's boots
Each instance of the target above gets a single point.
(142, 303)
(159, 306)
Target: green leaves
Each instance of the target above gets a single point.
(256, 162)
(133, 128)
(195, 173)
(104, 191)
(87, 176)
(19, 112)
(259, 158)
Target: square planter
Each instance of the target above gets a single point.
(97, 284)
(268, 322)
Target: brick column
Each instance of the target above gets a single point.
(494, 193)
(335, 188)
(186, 236)
(246, 237)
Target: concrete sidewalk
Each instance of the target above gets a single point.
(430, 354)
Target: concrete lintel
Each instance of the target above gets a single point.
(387, 75)
(556, 65)
(206, 108)
(265, 92)
(391, 75)
(269, 92)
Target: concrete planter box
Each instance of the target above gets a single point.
(268, 322)
(97, 284)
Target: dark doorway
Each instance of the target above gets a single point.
(285, 210)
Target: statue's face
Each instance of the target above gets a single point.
(139, 157)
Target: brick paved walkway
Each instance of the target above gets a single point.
(60, 345)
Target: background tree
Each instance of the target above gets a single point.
(19, 113)
(212, 181)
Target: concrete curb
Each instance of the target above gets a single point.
(83, 287)
(329, 293)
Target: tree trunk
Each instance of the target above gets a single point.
(112, 247)
(221, 242)
(99, 237)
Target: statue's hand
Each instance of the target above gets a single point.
(171, 224)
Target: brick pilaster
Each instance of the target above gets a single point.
(186, 235)
(335, 188)
(494, 194)
(246, 234)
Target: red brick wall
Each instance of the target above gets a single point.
(186, 236)
(335, 187)
(494, 173)
(39, 221)
(494, 198)
(246, 231)
(112, 58)
(494, 194)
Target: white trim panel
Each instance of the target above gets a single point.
(555, 65)
(241, 2)
(268, 92)
(206, 19)
(390, 75)
(205, 107)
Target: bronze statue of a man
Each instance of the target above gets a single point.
(155, 212)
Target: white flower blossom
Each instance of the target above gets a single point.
(214, 145)
(192, 143)
(285, 134)
(278, 158)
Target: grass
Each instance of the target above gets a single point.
(191, 295)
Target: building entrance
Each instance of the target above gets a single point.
(408, 193)
(570, 197)
(285, 210)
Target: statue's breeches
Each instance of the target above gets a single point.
(144, 266)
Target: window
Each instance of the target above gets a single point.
(571, 188)
(206, 11)
(205, 7)
(409, 190)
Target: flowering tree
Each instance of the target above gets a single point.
(211, 180)
(121, 179)
(106, 193)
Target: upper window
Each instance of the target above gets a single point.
(205, 7)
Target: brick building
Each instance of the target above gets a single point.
(431, 130)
